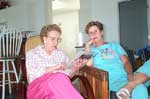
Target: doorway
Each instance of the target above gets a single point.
(66, 15)
(133, 24)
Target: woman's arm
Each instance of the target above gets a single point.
(60, 66)
(90, 62)
(127, 66)
(87, 49)
(87, 46)
(77, 64)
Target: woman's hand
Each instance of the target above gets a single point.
(89, 42)
(78, 63)
(61, 66)
(87, 45)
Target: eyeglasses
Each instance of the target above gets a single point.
(55, 39)
(93, 33)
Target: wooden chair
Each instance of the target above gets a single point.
(93, 82)
(98, 80)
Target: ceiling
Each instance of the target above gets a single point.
(65, 5)
(58, 6)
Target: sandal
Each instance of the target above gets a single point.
(124, 92)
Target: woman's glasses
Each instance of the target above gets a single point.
(55, 39)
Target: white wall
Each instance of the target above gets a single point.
(17, 2)
(68, 22)
(15, 16)
(27, 15)
(68, 19)
(105, 11)
(40, 13)
(85, 13)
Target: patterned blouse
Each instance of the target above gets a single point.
(38, 59)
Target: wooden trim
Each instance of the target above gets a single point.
(98, 80)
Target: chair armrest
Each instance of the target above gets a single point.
(88, 89)
(98, 80)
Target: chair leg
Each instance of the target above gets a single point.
(20, 73)
(21, 92)
(6, 69)
(8, 74)
(3, 83)
(15, 72)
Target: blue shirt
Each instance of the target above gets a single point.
(107, 57)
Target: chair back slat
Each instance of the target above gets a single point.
(19, 42)
(3, 48)
(15, 47)
(10, 40)
(7, 45)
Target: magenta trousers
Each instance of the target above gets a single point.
(52, 86)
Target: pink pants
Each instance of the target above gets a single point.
(52, 86)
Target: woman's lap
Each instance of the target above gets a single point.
(145, 69)
(53, 86)
(140, 92)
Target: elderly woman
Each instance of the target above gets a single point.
(46, 66)
(111, 57)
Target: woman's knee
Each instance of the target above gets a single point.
(140, 92)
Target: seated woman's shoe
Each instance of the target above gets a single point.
(123, 92)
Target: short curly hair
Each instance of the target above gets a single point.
(48, 28)
(94, 23)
